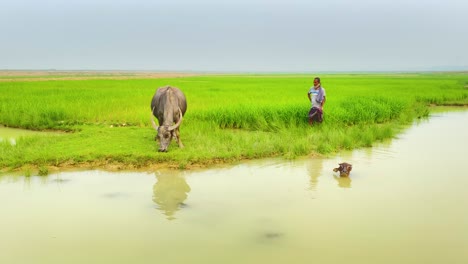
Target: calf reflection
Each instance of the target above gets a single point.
(343, 182)
(169, 193)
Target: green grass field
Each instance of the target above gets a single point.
(229, 118)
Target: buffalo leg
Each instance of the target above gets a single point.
(177, 138)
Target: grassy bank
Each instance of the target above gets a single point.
(229, 117)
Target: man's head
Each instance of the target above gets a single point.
(316, 81)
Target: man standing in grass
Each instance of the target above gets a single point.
(316, 96)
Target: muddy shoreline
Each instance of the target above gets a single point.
(113, 166)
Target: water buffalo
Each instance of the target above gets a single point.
(168, 106)
(344, 169)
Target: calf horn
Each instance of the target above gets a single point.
(178, 123)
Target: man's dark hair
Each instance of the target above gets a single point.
(317, 78)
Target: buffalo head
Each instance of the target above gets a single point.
(166, 133)
(344, 169)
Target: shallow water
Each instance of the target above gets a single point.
(12, 134)
(405, 202)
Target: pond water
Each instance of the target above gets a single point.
(404, 202)
(12, 134)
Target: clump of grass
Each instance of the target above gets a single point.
(43, 171)
(182, 165)
(27, 172)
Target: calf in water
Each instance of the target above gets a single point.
(344, 169)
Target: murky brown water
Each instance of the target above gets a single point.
(405, 202)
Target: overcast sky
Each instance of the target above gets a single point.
(237, 35)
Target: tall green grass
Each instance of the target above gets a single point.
(228, 117)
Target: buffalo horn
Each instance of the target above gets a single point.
(178, 123)
(152, 120)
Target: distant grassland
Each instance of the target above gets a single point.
(229, 118)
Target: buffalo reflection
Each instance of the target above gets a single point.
(343, 182)
(169, 193)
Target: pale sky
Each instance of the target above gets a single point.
(234, 35)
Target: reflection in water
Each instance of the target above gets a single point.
(343, 182)
(169, 193)
(114, 195)
(314, 167)
(28, 181)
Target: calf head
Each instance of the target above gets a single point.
(344, 169)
